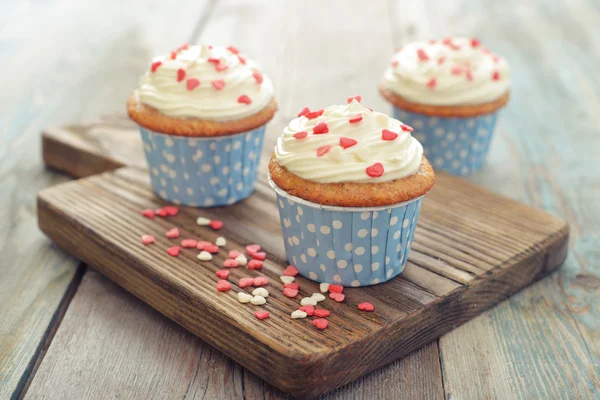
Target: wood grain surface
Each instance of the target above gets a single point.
(507, 246)
(543, 154)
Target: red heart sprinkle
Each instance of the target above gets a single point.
(314, 114)
(252, 248)
(496, 76)
(406, 128)
(293, 285)
(289, 292)
(336, 288)
(347, 142)
(216, 224)
(320, 323)
(242, 59)
(233, 49)
(255, 264)
(244, 99)
(211, 248)
(422, 55)
(223, 285)
(366, 306)
(375, 170)
(154, 66)
(261, 314)
(395, 63)
(183, 47)
(245, 282)
(339, 297)
(304, 111)
(229, 263)
(221, 67)
(441, 60)
(321, 151)
(321, 313)
(300, 135)
(223, 274)
(447, 40)
(174, 251)
(234, 254)
(161, 212)
(147, 239)
(431, 84)
(309, 310)
(189, 243)
(475, 42)
(148, 213)
(469, 75)
(456, 70)
(496, 59)
(356, 119)
(171, 210)
(386, 134)
(357, 98)
(260, 281)
(261, 255)
(320, 128)
(258, 77)
(192, 84)
(173, 55)
(290, 270)
(173, 233)
(202, 244)
(218, 84)
(213, 60)
(180, 74)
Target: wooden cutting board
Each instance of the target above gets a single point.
(472, 249)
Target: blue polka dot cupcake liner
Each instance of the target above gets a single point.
(347, 246)
(455, 145)
(203, 172)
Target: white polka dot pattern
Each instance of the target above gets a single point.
(203, 172)
(456, 145)
(354, 248)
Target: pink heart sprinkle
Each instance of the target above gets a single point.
(289, 292)
(189, 243)
(229, 263)
(366, 306)
(260, 256)
(252, 248)
(211, 248)
(202, 244)
(386, 134)
(290, 270)
(216, 224)
(309, 310)
(260, 281)
(321, 313)
(148, 213)
(320, 323)
(192, 84)
(173, 233)
(223, 273)
(234, 254)
(245, 282)
(261, 314)
(223, 285)
(174, 251)
(255, 264)
(147, 239)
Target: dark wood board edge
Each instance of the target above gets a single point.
(66, 153)
(317, 368)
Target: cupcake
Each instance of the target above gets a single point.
(202, 112)
(349, 184)
(450, 91)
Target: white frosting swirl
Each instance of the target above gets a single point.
(399, 156)
(452, 71)
(223, 74)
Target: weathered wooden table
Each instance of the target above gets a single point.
(66, 332)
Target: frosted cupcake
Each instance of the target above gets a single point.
(349, 184)
(202, 112)
(450, 91)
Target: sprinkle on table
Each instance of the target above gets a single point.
(172, 234)
(252, 248)
(174, 251)
(290, 270)
(320, 323)
(255, 264)
(365, 306)
(223, 285)
(261, 314)
(230, 263)
(259, 255)
(148, 213)
(222, 273)
(333, 288)
(171, 210)
(161, 212)
(216, 224)
(148, 239)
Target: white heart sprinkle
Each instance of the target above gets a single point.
(318, 297)
(242, 260)
(299, 314)
(202, 221)
(260, 292)
(244, 297)
(220, 241)
(308, 301)
(324, 287)
(287, 279)
(336, 153)
(204, 256)
(258, 300)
